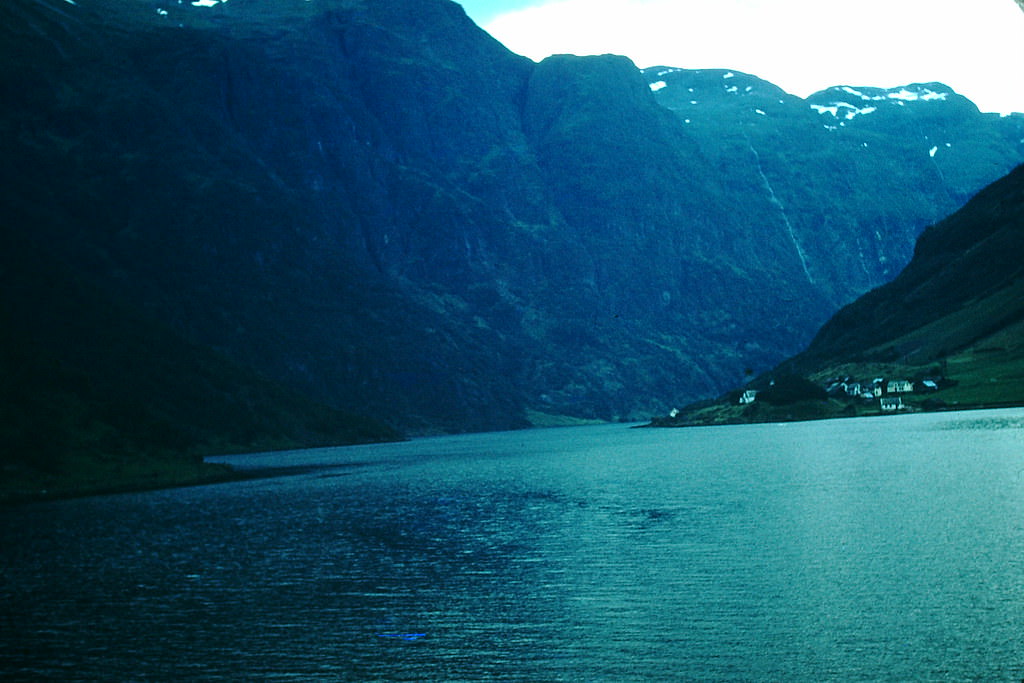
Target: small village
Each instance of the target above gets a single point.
(889, 393)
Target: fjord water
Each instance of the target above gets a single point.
(866, 549)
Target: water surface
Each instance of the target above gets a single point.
(871, 549)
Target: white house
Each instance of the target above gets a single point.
(749, 396)
(891, 403)
(899, 386)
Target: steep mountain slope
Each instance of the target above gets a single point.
(236, 193)
(97, 398)
(951, 326)
(856, 173)
(964, 285)
(378, 205)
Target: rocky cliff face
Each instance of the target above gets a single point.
(378, 204)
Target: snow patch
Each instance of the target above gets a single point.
(758, 111)
(904, 94)
(861, 112)
(932, 152)
(161, 11)
(925, 95)
(207, 3)
(655, 87)
(850, 111)
(729, 75)
(732, 89)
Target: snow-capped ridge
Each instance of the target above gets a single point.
(683, 88)
(914, 92)
(847, 102)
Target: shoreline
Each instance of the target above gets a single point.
(731, 421)
(36, 489)
(206, 473)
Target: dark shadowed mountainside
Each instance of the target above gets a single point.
(96, 398)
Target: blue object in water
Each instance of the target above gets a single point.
(402, 636)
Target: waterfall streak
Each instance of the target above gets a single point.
(782, 210)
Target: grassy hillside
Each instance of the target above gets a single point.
(989, 374)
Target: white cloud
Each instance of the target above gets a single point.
(975, 47)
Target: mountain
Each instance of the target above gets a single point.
(963, 289)
(951, 324)
(382, 209)
(856, 173)
(97, 398)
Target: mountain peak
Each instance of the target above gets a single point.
(914, 92)
(846, 102)
(709, 82)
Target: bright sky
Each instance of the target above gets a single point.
(974, 46)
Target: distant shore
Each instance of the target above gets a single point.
(25, 486)
(720, 415)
